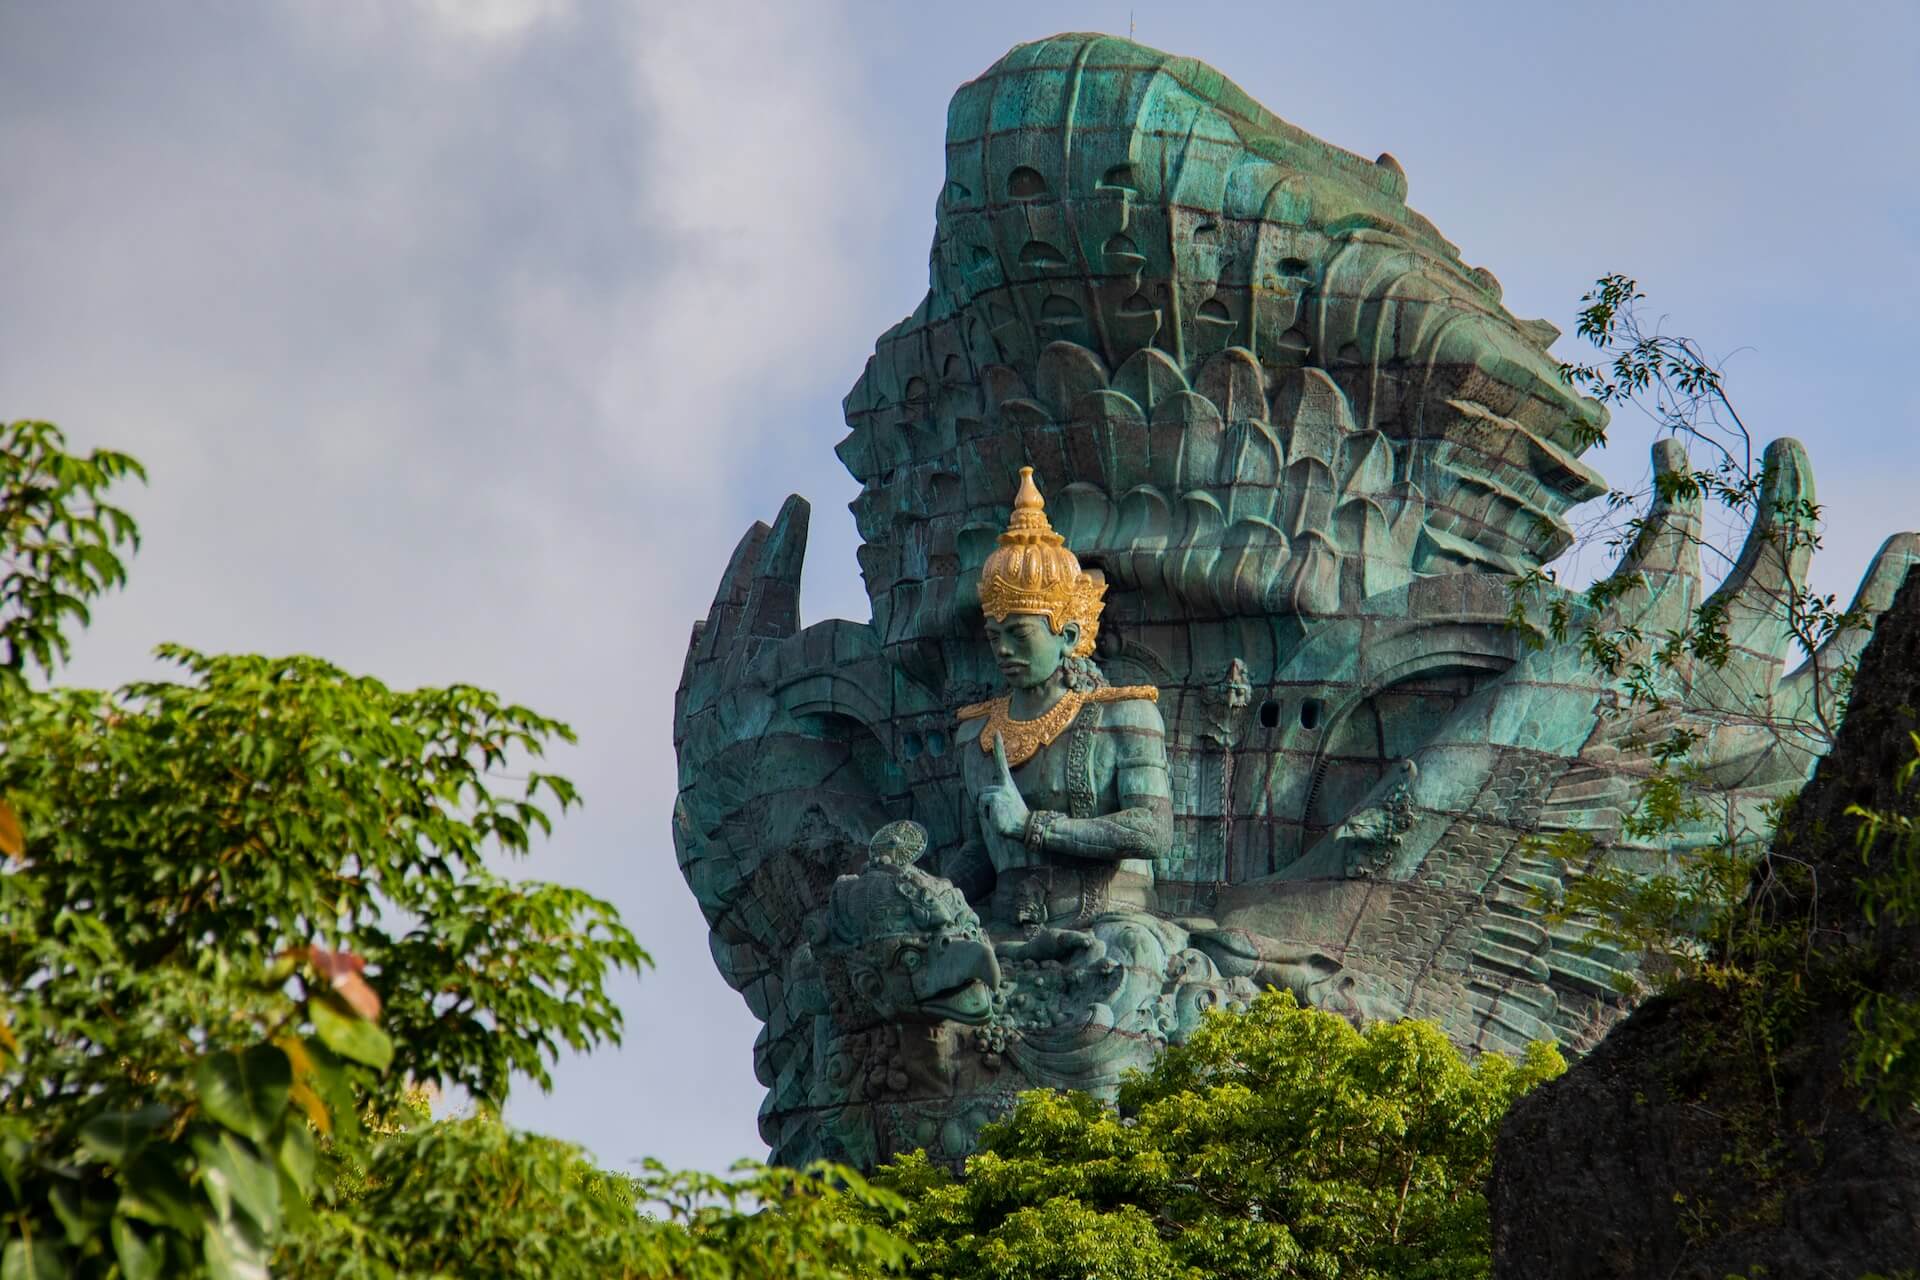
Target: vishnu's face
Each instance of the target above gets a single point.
(1026, 650)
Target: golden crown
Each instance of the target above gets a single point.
(1031, 571)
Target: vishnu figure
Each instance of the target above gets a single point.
(1067, 774)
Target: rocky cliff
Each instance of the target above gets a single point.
(1685, 1145)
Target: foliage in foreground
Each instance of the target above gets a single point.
(1276, 1143)
(248, 927)
(198, 923)
(211, 884)
(471, 1197)
(1886, 1049)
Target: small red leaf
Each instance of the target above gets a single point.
(360, 997)
(342, 970)
(331, 965)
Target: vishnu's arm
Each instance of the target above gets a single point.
(1143, 826)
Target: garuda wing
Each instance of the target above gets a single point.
(783, 776)
(1433, 892)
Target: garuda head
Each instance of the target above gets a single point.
(899, 945)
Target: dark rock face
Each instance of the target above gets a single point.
(1671, 1150)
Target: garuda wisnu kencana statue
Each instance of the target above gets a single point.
(1239, 701)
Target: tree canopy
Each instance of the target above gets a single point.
(1276, 1143)
(247, 910)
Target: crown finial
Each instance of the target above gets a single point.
(1029, 525)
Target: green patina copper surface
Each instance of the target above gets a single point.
(1307, 449)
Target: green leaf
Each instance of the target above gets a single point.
(117, 1136)
(35, 1260)
(234, 1174)
(247, 1092)
(352, 1038)
(330, 1081)
(158, 1193)
(14, 1157)
(234, 1252)
(297, 1156)
(139, 1260)
(82, 1216)
(298, 1214)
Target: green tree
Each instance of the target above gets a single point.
(205, 906)
(471, 1197)
(59, 542)
(1669, 381)
(207, 875)
(247, 918)
(1886, 1049)
(1276, 1143)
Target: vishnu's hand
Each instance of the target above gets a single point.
(1002, 810)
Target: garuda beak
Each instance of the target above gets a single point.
(958, 980)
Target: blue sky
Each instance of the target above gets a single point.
(464, 337)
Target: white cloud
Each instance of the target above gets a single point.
(495, 19)
(760, 188)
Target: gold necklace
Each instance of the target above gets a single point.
(1024, 738)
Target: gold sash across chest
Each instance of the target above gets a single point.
(1024, 738)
